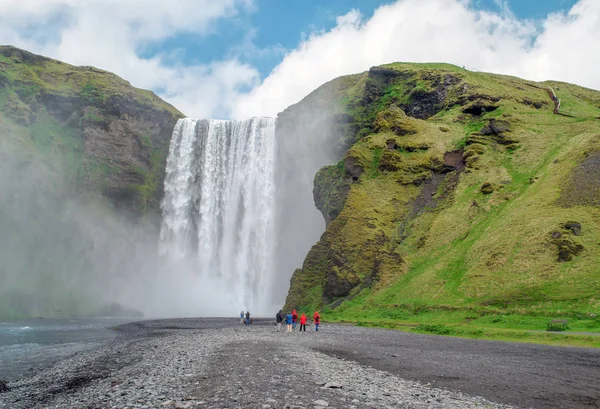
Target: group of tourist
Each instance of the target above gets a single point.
(292, 319)
(245, 318)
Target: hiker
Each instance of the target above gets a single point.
(303, 322)
(317, 320)
(279, 319)
(294, 319)
(288, 321)
(242, 317)
(247, 317)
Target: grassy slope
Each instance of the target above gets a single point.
(57, 110)
(493, 265)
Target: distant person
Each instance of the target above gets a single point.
(303, 320)
(242, 317)
(279, 319)
(247, 317)
(317, 320)
(294, 319)
(288, 321)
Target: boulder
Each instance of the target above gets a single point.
(487, 188)
(575, 227)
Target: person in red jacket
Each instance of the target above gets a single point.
(294, 319)
(317, 320)
(303, 320)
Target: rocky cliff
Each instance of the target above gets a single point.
(109, 138)
(454, 190)
(82, 162)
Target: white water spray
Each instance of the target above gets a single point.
(218, 208)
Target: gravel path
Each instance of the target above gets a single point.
(216, 363)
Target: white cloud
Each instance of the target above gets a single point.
(113, 35)
(563, 48)
(109, 34)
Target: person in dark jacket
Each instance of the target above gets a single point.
(279, 319)
(288, 321)
(247, 317)
(294, 319)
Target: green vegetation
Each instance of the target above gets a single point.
(489, 251)
(109, 138)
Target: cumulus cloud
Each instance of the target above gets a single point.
(112, 35)
(116, 35)
(564, 47)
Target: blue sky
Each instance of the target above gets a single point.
(240, 58)
(273, 26)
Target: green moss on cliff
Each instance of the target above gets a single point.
(111, 138)
(414, 231)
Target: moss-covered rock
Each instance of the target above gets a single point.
(331, 187)
(415, 231)
(111, 138)
(487, 188)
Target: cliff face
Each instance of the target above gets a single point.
(109, 138)
(455, 190)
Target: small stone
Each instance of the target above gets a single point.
(4, 386)
(320, 383)
(321, 402)
(167, 403)
(333, 385)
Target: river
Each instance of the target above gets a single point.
(29, 345)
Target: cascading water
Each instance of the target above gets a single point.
(218, 208)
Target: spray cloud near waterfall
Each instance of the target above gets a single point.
(244, 185)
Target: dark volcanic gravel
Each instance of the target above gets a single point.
(218, 363)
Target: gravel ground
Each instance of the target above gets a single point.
(217, 363)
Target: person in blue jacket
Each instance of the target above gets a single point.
(288, 321)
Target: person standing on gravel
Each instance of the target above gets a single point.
(303, 320)
(317, 320)
(288, 321)
(294, 319)
(279, 319)
(247, 317)
(242, 317)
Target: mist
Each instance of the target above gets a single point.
(309, 135)
(64, 254)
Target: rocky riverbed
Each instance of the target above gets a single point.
(217, 363)
(181, 366)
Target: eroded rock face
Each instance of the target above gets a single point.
(435, 151)
(111, 138)
(583, 186)
(567, 245)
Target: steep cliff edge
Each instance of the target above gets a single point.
(458, 191)
(109, 138)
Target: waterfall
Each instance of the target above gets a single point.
(218, 206)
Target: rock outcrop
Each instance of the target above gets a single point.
(433, 201)
(110, 139)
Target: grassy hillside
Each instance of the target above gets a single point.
(462, 196)
(110, 138)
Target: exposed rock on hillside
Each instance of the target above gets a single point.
(110, 138)
(433, 201)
